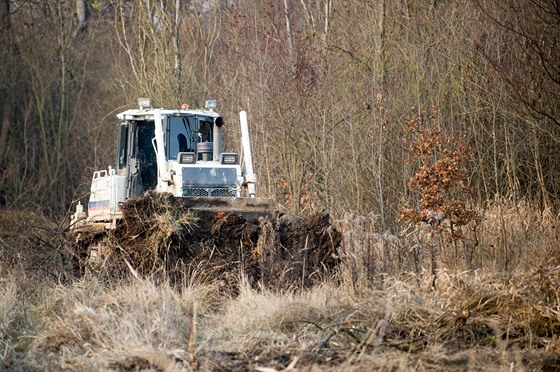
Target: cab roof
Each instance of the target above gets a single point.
(143, 114)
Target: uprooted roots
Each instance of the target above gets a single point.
(160, 236)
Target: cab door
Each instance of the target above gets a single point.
(136, 157)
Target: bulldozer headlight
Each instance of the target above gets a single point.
(229, 158)
(186, 158)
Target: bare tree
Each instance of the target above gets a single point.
(5, 99)
(82, 14)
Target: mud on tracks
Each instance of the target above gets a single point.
(160, 236)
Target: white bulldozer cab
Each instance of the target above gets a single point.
(177, 151)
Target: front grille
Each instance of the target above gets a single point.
(216, 193)
(224, 193)
(195, 192)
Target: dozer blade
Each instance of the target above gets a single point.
(249, 208)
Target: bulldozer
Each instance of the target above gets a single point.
(176, 151)
(170, 162)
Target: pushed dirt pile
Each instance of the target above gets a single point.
(159, 234)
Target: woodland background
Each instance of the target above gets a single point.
(337, 94)
(428, 130)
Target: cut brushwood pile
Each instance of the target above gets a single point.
(160, 236)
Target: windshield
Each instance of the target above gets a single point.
(185, 131)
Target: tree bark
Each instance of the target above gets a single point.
(5, 101)
(177, 66)
(82, 15)
(5, 14)
(6, 114)
(288, 28)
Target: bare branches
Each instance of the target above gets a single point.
(529, 65)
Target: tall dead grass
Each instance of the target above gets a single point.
(382, 312)
(472, 320)
(134, 325)
(518, 236)
(509, 237)
(8, 311)
(265, 320)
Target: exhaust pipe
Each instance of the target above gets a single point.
(217, 138)
(250, 177)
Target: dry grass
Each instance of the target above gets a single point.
(520, 235)
(509, 237)
(472, 319)
(134, 325)
(8, 309)
(265, 320)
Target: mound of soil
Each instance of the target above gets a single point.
(159, 235)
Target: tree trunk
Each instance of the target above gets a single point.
(82, 15)
(177, 66)
(288, 28)
(5, 99)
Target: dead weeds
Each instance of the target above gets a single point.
(222, 310)
(472, 320)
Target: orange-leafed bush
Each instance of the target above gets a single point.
(442, 160)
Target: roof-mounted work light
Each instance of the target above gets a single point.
(211, 104)
(144, 103)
